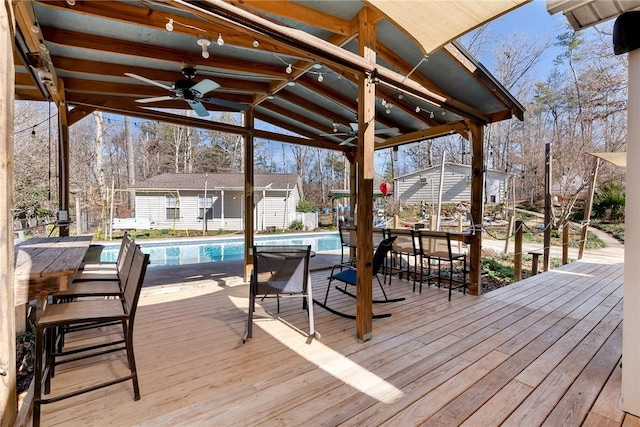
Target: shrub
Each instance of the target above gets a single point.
(296, 226)
(610, 202)
(305, 206)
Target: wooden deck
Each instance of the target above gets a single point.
(544, 351)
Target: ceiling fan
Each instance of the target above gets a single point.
(192, 92)
(353, 134)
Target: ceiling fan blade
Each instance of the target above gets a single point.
(354, 126)
(198, 107)
(387, 130)
(151, 82)
(157, 99)
(336, 134)
(348, 141)
(224, 103)
(202, 87)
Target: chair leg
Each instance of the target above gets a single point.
(131, 358)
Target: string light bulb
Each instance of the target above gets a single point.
(204, 44)
(33, 132)
(335, 127)
(431, 115)
(256, 43)
(320, 78)
(169, 25)
(220, 40)
(71, 2)
(289, 69)
(34, 28)
(417, 109)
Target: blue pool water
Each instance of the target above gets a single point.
(219, 249)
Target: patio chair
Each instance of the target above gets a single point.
(280, 271)
(56, 316)
(113, 287)
(436, 252)
(348, 276)
(107, 271)
(91, 264)
(405, 252)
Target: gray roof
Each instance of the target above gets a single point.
(196, 181)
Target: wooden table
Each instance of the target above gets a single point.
(47, 265)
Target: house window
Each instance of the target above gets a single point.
(205, 205)
(172, 205)
(493, 198)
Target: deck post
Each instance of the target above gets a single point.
(517, 253)
(8, 401)
(476, 138)
(365, 159)
(626, 39)
(248, 194)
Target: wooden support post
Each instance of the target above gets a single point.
(8, 403)
(248, 194)
(534, 262)
(565, 243)
(548, 206)
(517, 253)
(476, 138)
(365, 159)
(587, 209)
(63, 165)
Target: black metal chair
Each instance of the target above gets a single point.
(280, 271)
(57, 316)
(348, 276)
(404, 253)
(436, 254)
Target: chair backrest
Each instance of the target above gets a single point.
(406, 242)
(381, 253)
(281, 269)
(347, 235)
(124, 247)
(379, 234)
(435, 243)
(134, 281)
(124, 266)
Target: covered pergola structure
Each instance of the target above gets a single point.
(294, 71)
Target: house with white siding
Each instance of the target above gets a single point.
(214, 201)
(424, 185)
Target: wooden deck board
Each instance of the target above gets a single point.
(544, 349)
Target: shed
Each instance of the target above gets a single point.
(424, 185)
(185, 201)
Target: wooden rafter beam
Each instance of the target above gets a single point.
(421, 135)
(64, 37)
(299, 13)
(128, 12)
(117, 70)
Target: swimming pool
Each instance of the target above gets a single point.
(180, 252)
